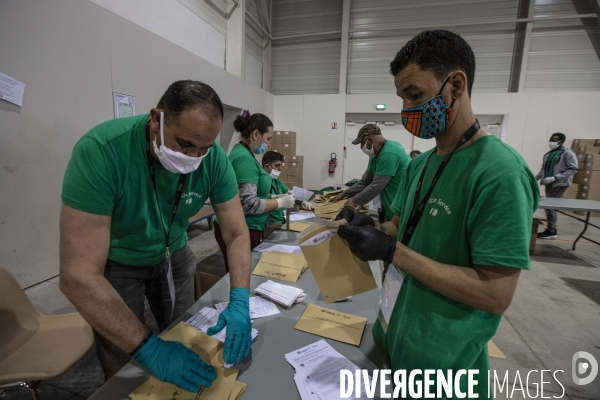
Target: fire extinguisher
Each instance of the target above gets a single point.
(332, 163)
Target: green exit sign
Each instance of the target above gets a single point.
(380, 107)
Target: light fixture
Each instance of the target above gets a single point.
(350, 123)
(371, 122)
(390, 123)
(380, 107)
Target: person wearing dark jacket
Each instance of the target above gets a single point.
(558, 168)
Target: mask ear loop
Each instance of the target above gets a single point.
(162, 128)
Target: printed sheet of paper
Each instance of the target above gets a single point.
(332, 324)
(208, 349)
(283, 248)
(299, 226)
(302, 194)
(284, 266)
(299, 216)
(282, 294)
(207, 318)
(11, 89)
(322, 364)
(338, 273)
(259, 307)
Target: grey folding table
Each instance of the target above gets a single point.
(265, 370)
(586, 206)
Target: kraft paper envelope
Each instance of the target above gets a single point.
(208, 349)
(299, 226)
(494, 351)
(284, 266)
(332, 324)
(239, 388)
(338, 272)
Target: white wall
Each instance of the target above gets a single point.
(174, 22)
(311, 117)
(529, 120)
(72, 55)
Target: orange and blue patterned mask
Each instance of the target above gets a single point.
(430, 118)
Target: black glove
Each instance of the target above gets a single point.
(354, 217)
(368, 243)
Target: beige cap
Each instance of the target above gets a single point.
(367, 130)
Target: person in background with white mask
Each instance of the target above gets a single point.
(558, 168)
(272, 162)
(130, 187)
(254, 183)
(387, 162)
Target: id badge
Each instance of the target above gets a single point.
(389, 294)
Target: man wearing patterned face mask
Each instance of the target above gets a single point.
(463, 220)
(387, 163)
(558, 168)
(128, 193)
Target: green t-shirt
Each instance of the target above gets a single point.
(248, 170)
(392, 160)
(479, 213)
(277, 187)
(108, 174)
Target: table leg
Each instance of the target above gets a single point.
(210, 223)
(585, 226)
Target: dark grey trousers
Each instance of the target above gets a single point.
(136, 283)
(554, 192)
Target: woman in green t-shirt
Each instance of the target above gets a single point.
(254, 184)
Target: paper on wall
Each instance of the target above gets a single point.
(11, 89)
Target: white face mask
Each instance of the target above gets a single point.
(172, 160)
(274, 173)
(367, 151)
(553, 145)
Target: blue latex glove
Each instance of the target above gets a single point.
(239, 329)
(175, 363)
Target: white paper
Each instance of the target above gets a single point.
(11, 89)
(302, 194)
(207, 318)
(301, 215)
(322, 364)
(283, 294)
(259, 307)
(124, 105)
(266, 247)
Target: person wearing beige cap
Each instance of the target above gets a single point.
(387, 162)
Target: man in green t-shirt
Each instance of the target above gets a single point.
(272, 162)
(387, 162)
(463, 218)
(130, 187)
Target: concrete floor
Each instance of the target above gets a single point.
(555, 313)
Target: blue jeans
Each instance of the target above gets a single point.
(136, 283)
(554, 192)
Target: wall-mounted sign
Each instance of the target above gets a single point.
(334, 125)
(124, 105)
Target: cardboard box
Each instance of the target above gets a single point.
(588, 173)
(583, 142)
(570, 195)
(298, 159)
(287, 152)
(276, 140)
(595, 158)
(292, 147)
(588, 150)
(590, 166)
(593, 192)
(580, 157)
(584, 180)
(579, 176)
(289, 134)
(203, 282)
(575, 187)
(597, 144)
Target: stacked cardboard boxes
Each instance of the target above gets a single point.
(292, 174)
(587, 179)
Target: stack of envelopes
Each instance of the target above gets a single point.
(210, 350)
